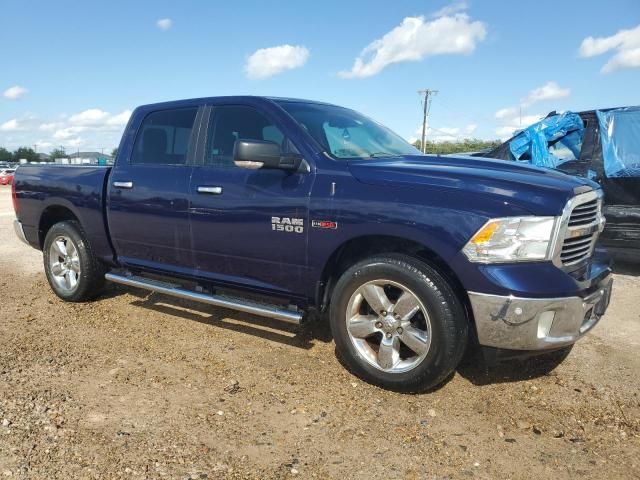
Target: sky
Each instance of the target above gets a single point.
(71, 72)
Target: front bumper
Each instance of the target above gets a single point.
(518, 323)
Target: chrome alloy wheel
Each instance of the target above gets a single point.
(64, 263)
(389, 326)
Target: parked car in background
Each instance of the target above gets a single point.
(6, 176)
(312, 207)
(602, 145)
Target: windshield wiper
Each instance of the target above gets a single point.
(382, 154)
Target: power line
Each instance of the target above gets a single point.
(426, 106)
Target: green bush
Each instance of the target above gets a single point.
(460, 146)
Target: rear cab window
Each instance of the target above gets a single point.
(164, 137)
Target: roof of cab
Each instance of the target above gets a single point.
(240, 98)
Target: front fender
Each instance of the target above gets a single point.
(440, 220)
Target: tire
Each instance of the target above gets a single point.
(78, 276)
(437, 330)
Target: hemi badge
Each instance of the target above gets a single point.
(326, 224)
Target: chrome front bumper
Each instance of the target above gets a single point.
(17, 227)
(537, 323)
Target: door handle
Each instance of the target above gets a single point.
(123, 184)
(210, 190)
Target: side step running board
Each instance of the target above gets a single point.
(247, 306)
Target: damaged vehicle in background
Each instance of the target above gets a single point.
(602, 145)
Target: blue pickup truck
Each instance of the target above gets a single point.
(290, 208)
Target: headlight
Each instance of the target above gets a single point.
(512, 239)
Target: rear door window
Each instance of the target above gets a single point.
(164, 137)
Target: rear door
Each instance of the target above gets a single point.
(249, 227)
(148, 206)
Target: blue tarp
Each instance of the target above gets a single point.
(620, 136)
(535, 139)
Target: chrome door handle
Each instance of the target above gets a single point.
(123, 184)
(210, 190)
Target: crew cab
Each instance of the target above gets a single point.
(290, 208)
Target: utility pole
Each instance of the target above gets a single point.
(426, 105)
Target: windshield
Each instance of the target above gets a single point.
(346, 134)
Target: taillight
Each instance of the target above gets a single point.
(14, 197)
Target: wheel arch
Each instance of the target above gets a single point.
(50, 216)
(359, 248)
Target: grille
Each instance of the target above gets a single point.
(576, 249)
(582, 228)
(585, 214)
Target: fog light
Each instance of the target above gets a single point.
(545, 320)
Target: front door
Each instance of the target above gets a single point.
(249, 227)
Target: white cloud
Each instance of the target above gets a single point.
(14, 92)
(527, 120)
(625, 43)
(451, 9)
(164, 23)
(266, 62)
(10, 125)
(119, 120)
(68, 132)
(75, 142)
(48, 127)
(91, 129)
(43, 145)
(515, 123)
(549, 91)
(93, 119)
(445, 134)
(416, 38)
(512, 119)
(506, 132)
(506, 113)
(92, 116)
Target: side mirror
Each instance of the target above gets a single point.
(254, 154)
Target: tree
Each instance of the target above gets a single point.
(24, 153)
(459, 146)
(57, 153)
(114, 153)
(5, 155)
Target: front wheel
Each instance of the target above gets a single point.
(397, 323)
(73, 272)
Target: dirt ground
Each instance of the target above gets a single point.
(137, 385)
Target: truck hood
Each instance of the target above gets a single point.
(540, 191)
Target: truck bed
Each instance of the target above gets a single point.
(79, 189)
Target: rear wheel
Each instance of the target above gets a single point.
(73, 272)
(397, 323)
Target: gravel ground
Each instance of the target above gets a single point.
(137, 385)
